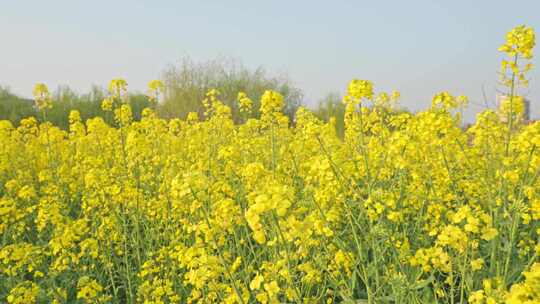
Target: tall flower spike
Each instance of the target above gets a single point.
(359, 89)
(518, 47)
(118, 88)
(271, 101)
(42, 96)
(245, 102)
(155, 89)
(520, 40)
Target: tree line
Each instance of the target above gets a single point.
(186, 84)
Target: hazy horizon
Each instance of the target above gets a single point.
(417, 47)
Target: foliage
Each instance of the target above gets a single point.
(59, 104)
(14, 108)
(187, 83)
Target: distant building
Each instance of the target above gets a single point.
(526, 107)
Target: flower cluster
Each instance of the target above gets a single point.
(155, 90)
(244, 102)
(42, 96)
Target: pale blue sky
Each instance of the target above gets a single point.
(417, 47)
